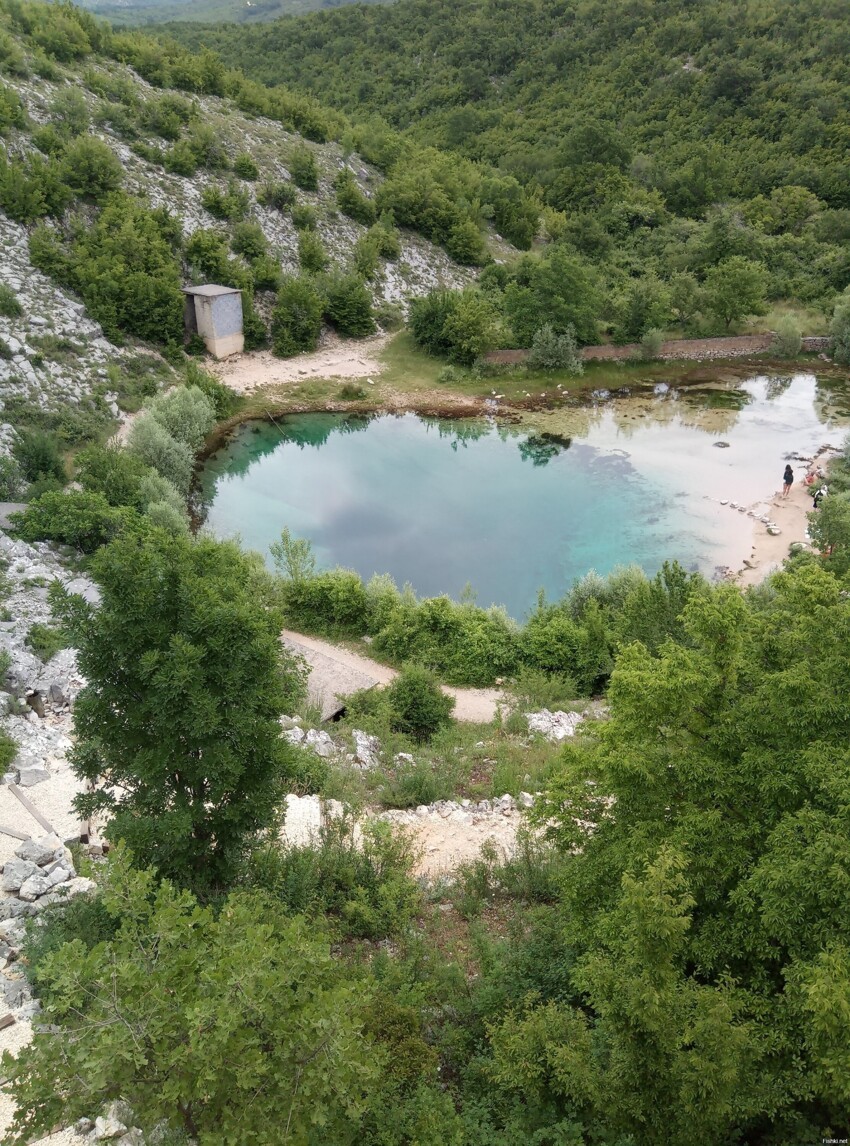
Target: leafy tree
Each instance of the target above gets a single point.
(470, 328)
(558, 286)
(465, 243)
(186, 413)
(125, 268)
(152, 443)
(732, 918)
(116, 473)
(645, 305)
(829, 527)
(91, 168)
(297, 317)
(348, 306)
(187, 986)
(735, 288)
(186, 682)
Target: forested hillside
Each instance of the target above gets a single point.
(138, 12)
(689, 159)
(724, 98)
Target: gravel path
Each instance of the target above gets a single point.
(335, 672)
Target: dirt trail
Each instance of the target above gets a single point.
(335, 358)
(335, 671)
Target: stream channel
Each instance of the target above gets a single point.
(512, 507)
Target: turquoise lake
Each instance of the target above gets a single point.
(512, 509)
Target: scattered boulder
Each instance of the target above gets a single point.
(39, 852)
(555, 726)
(16, 872)
(321, 743)
(366, 749)
(294, 735)
(108, 1125)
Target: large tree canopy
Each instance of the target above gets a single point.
(708, 894)
(180, 717)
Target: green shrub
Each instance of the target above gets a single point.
(180, 159)
(311, 252)
(8, 747)
(839, 329)
(303, 169)
(266, 273)
(69, 113)
(367, 256)
(45, 641)
(389, 316)
(459, 324)
(245, 167)
(249, 240)
(206, 254)
(11, 479)
(82, 918)
(38, 455)
(6, 351)
(367, 886)
(351, 200)
(650, 345)
(225, 401)
(10, 306)
(466, 244)
(279, 195)
(418, 706)
(11, 109)
(151, 442)
(552, 351)
(348, 306)
(91, 168)
(115, 473)
(787, 338)
(124, 265)
(333, 603)
(167, 517)
(82, 519)
(304, 218)
(186, 413)
(229, 203)
(297, 317)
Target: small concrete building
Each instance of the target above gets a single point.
(215, 313)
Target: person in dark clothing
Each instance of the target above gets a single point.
(787, 481)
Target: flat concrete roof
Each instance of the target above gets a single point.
(210, 290)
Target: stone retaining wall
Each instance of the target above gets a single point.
(682, 349)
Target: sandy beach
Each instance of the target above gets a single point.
(791, 516)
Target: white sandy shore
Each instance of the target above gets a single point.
(791, 516)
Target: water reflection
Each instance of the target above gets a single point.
(515, 506)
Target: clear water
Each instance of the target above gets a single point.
(633, 478)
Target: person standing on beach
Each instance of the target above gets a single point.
(787, 481)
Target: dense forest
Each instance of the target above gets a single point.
(659, 140)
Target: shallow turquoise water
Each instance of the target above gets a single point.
(446, 504)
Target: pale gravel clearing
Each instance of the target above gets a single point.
(335, 672)
(335, 358)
